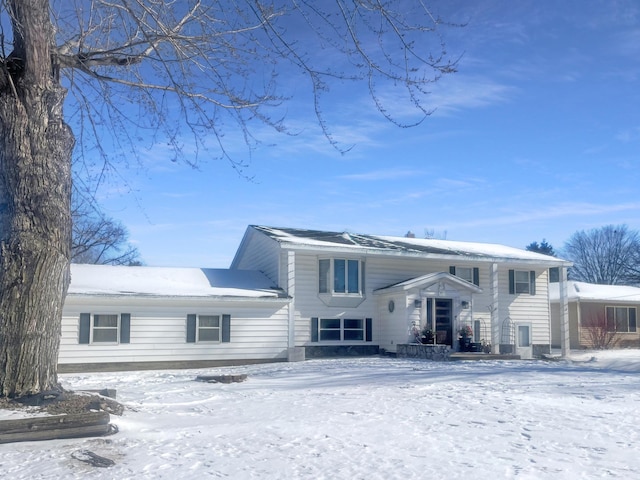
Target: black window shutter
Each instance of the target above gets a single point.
(369, 330)
(226, 328)
(512, 282)
(314, 329)
(532, 282)
(125, 327)
(85, 328)
(191, 328)
(476, 276)
(452, 270)
(632, 320)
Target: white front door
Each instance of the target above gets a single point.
(523, 340)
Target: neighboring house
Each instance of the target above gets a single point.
(599, 315)
(293, 294)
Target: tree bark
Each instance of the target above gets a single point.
(35, 192)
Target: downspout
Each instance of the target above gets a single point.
(565, 336)
(495, 316)
(433, 319)
(579, 326)
(291, 291)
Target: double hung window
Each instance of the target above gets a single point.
(522, 282)
(340, 276)
(208, 328)
(470, 274)
(621, 319)
(104, 328)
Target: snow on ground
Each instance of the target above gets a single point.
(365, 418)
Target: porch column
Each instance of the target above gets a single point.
(291, 290)
(295, 354)
(423, 312)
(495, 310)
(565, 335)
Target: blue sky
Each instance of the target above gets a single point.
(537, 136)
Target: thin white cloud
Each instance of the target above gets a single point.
(551, 212)
(629, 135)
(464, 92)
(385, 174)
(456, 183)
(438, 188)
(176, 195)
(627, 43)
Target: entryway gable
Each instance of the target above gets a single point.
(437, 301)
(435, 283)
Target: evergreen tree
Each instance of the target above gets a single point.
(543, 247)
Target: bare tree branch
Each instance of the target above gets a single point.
(97, 238)
(216, 64)
(608, 255)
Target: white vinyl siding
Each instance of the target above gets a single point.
(262, 254)
(158, 331)
(382, 272)
(533, 309)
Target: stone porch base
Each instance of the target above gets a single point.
(428, 352)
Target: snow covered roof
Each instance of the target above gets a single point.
(170, 282)
(591, 292)
(301, 238)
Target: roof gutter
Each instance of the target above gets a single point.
(430, 256)
(217, 298)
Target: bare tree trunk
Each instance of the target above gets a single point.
(35, 192)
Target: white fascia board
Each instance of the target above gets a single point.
(139, 297)
(363, 251)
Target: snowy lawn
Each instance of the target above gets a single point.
(369, 418)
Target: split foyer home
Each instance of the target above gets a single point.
(292, 294)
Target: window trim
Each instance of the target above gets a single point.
(614, 321)
(199, 328)
(327, 282)
(87, 328)
(317, 329)
(473, 271)
(103, 329)
(514, 282)
(192, 328)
